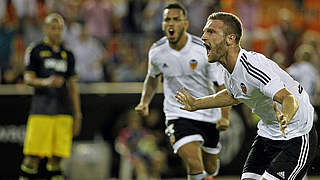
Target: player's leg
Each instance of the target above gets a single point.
(37, 144)
(294, 160)
(29, 168)
(211, 163)
(258, 159)
(210, 148)
(61, 147)
(185, 138)
(190, 153)
(54, 170)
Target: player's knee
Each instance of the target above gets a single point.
(193, 162)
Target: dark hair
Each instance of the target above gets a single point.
(234, 25)
(177, 5)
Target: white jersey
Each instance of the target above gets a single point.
(254, 81)
(189, 68)
(309, 82)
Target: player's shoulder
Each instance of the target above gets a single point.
(253, 57)
(195, 40)
(34, 46)
(159, 44)
(256, 66)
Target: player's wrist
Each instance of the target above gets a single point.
(44, 83)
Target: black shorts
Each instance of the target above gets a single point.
(182, 131)
(278, 159)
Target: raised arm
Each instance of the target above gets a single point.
(220, 99)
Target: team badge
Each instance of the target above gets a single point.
(243, 88)
(193, 63)
(64, 55)
(172, 139)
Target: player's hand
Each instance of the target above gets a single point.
(142, 109)
(54, 81)
(184, 98)
(282, 119)
(223, 124)
(77, 117)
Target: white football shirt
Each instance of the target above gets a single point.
(189, 68)
(309, 82)
(254, 81)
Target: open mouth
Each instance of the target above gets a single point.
(171, 32)
(207, 47)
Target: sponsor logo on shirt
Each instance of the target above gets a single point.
(193, 63)
(56, 64)
(243, 88)
(45, 54)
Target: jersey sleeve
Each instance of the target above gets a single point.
(30, 59)
(153, 69)
(216, 73)
(71, 71)
(263, 74)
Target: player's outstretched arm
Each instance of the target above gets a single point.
(190, 103)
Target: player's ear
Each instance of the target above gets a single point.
(186, 24)
(231, 39)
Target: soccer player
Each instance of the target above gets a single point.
(286, 142)
(181, 59)
(55, 113)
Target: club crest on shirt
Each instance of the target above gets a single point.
(193, 63)
(243, 88)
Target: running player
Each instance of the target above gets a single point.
(181, 59)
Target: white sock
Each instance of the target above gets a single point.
(200, 176)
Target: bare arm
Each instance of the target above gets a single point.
(220, 99)
(224, 122)
(289, 103)
(75, 99)
(225, 111)
(150, 86)
(289, 108)
(52, 81)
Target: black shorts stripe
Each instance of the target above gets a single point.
(302, 157)
(251, 73)
(245, 57)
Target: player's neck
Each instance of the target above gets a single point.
(230, 59)
(54, 46)
(180, 44)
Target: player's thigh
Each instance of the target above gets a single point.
(182, 132)
(257, 161)
(63, 135)
(211, 137)
(293, 162)
(38, 140)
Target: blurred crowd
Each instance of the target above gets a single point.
(111, 38)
